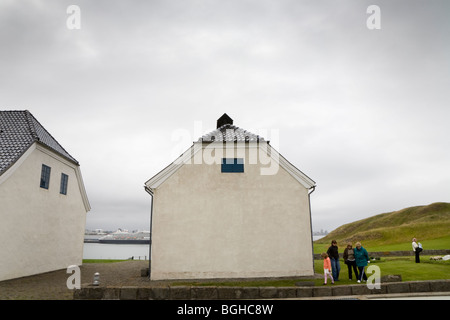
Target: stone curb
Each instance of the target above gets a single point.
(88, 292)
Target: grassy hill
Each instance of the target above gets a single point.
(394, 230)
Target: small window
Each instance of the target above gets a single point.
(232, 165)
(64, 181)
(45, 176)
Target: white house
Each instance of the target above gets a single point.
(43, 202)
(230, 207)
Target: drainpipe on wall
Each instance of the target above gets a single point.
(312, 189)
(151, 233)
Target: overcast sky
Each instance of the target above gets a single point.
(363, 112)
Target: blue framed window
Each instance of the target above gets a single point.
(45, 176)
(232, 165)
(64, 181)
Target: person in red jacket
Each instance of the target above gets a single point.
(326, 268)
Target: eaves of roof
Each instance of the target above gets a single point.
(189, 154)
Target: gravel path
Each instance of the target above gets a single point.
(52, 285)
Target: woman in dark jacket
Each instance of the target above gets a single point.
(334, 258)
(349, 260)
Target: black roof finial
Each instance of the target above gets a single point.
(223, 120)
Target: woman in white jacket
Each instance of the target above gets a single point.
(416, 249)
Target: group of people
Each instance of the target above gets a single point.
(355, 258)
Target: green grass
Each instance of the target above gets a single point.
(394, 230)
(434, 244)
(405, 266)
(101, 261)
(428, 244)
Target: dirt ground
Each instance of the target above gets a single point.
(52, 285)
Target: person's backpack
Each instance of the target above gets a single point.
(419, 249)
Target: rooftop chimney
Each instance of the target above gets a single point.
(223, 120)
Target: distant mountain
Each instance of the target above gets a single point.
(424, 222)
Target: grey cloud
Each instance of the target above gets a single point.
(363, 113)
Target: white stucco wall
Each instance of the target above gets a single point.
(41, 230)
(209, 224)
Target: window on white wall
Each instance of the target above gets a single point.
(232, 165)
(64, 182)
(45, 176)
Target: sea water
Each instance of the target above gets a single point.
(115, 251)
(122, 251)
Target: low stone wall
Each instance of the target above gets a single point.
(234, 293)
(379, 254)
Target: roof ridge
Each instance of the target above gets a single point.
(39, 138)
(22, 130)
(31, 126)
(239, 135)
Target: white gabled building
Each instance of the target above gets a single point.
(43, 202)
(230, 207)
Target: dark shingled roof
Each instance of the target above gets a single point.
(18, 131)
(231, 133)
(227, 132)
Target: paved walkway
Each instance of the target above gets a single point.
(52, 285)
